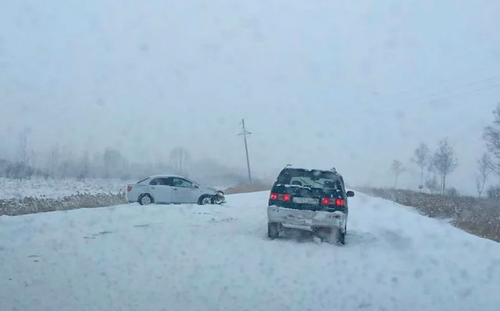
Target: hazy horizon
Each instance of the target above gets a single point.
(344, 84)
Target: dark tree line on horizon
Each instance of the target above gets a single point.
(61, 163)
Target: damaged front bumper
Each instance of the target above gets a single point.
(306, 218)
(219, 198)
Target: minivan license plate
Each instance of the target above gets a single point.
(305, 200)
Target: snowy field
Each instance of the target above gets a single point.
(54, 189)
(218, 258)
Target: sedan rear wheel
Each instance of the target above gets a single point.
(146, 200)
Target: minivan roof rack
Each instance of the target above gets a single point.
(333, 169)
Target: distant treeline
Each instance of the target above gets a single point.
(436, 165)
(61, 163)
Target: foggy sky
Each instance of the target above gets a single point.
(322, 83)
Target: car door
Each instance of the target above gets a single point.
(161, 190)
(183, 191)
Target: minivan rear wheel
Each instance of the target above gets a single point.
(273, 230)
(334, 236)
(341, 237)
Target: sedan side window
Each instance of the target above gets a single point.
(179, 182)
(169, 181)
(155, 182)
(159, 182)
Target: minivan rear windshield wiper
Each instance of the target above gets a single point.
(294, 186)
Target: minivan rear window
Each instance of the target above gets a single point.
(309, 178)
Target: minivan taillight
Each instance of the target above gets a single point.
(332, 201)
(129, 188)
(280, 197)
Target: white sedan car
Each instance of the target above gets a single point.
(172, 189)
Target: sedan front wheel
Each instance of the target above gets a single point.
(205, 199)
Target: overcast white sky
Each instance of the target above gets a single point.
(325, 83)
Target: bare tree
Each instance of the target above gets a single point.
(112, 160)
(179, 158)
(23, 147)
(483, 171)
(444, 161)
(493, 192)
(397, 168)
(97, 164)
(421, 158)
(432, 184)
(161, 165)
(54, 161)
(23, 167)
(492, 136)
(66, 164)
(452, 192)
(4, 165)
(85, 166)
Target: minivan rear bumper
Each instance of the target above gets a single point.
(307, 218)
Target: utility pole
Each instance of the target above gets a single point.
(244, 132)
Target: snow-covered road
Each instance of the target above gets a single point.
(219, 258)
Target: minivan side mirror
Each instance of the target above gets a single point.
(350, 194)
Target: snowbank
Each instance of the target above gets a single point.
(39, 195)
(479, 216)
(55, 188)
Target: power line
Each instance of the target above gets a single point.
(388, 108)
(455, 88)
(461, 87)
(442, 98)
(441, 81)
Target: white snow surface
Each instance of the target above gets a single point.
(189, 257)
